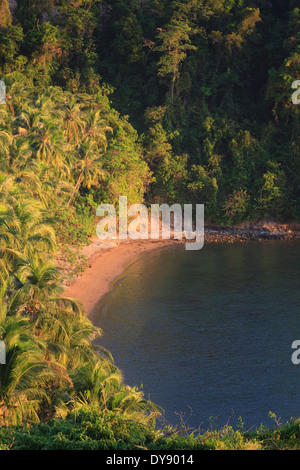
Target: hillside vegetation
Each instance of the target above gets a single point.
(161, 101)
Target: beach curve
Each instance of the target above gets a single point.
(107, 262)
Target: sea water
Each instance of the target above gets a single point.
(207, 335)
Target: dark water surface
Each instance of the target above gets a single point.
(209, 333)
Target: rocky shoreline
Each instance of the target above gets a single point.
(234, 235)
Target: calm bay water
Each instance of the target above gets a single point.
(208, 334)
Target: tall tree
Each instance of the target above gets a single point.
(175, 42)
(5, 15)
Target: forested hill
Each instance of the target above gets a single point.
(157, 100)
(206, 86)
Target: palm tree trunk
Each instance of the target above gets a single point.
(77, 186)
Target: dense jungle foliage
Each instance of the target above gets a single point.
(161, 101)
(206, 86)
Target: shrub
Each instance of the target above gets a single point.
(236, 206)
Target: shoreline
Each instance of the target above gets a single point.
(110, 258)
(107, 262)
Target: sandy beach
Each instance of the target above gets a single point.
(107, 261)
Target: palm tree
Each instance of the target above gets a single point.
(20, 154)
(73, 120)
(24, 377)
(40, 280)
(95, 380)
(51, 190)
(49, 146)
(25, 227)
(68, 332)
(5, 118)
(99, 384)
(19, 95)
(131, 401)
(6, 139)
(96, 129)
(89, 167)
